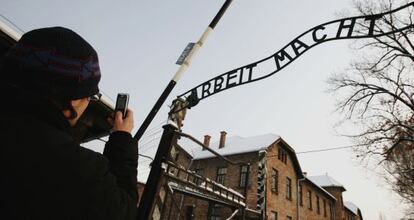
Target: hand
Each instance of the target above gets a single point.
(123, 124)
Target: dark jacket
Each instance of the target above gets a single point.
(46, 174)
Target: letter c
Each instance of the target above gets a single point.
(315, 38)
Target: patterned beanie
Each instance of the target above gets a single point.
(54, 62)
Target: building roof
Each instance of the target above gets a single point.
(326, 181)
(239, 145)
(352, 207)
(320, 188)
(234, 145)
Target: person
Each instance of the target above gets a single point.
(48, 78)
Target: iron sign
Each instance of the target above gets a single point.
(333, 30)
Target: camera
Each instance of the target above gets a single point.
(122, 103)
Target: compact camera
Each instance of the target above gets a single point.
(122, 103)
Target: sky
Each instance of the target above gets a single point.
(139, 41)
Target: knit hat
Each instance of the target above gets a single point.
(55, 62)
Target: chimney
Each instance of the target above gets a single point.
(206, 141)
(222, 139)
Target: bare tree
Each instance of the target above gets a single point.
(376, 94)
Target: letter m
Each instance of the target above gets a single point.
(280, 56)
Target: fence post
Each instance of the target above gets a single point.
(152, 186)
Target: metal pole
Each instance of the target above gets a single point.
(151, 187)
(184, 65)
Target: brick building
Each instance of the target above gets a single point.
(276, 184)
(344, 210)
(352, 212)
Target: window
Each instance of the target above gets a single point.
(274, 216)
(288, 188)
(189, 212)
(300, 195)
(275, 181)
(199, 172)
(214, 210)
(310, 199)
(243, 176)
(331, 213)
(288, 218)
(324, 207)
(221, 175)
(318, 208)
(282, 155)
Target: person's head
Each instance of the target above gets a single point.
(55, 63)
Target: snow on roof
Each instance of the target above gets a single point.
(325, 181)
(352, 207)
(320, 188)
(233, 145)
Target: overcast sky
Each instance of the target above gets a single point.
(139, 41)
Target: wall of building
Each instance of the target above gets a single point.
(349, 215)
(339, 205)
(180, 156)
(326, 212)
(279, 202)
(232, 180)
(277, 199)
